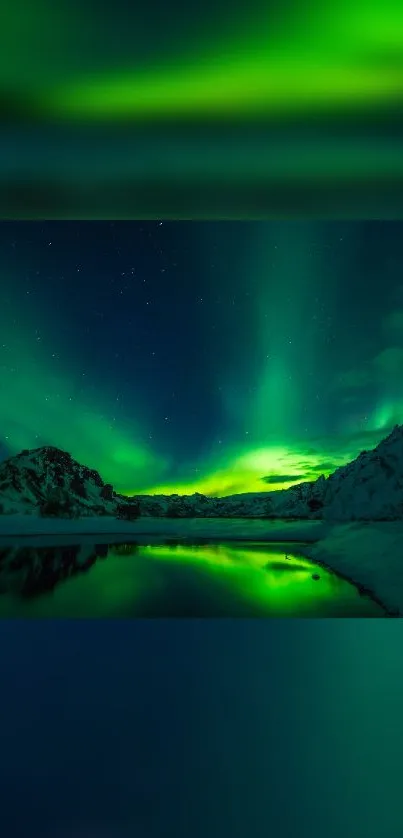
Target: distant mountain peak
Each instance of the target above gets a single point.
(48, 481)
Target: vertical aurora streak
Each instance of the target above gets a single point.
(217, 357)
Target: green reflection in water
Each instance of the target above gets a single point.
(207, 580)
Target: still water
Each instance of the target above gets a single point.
(173, 580)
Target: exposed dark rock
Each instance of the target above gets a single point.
(58, 505)
(92, 475)
(172, 511)
(315, 504)
(107, 492)
(127, 511)
(77, 486)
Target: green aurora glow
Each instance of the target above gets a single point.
(266, 67)
(47, 403)
(252, 577)
(312, 56)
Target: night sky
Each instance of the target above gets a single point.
(217, 357)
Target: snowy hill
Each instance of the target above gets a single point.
(48, 482)
(370, 487)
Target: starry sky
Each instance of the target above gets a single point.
(218, 357)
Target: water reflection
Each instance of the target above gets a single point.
(173, 579)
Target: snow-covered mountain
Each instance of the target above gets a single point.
(48, 482)
(368, 488)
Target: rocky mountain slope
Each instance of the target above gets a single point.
(48, 482)
(368, 488)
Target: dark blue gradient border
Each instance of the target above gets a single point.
(192, 729)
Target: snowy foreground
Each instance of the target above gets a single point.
(369, 554)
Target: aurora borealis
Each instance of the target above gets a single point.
(144, 62)
(218, 357)
(280, 110)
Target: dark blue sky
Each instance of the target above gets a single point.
(201, 355)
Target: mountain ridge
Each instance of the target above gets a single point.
(47, 481)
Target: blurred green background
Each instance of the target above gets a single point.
(184, 110)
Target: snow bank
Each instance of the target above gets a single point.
(368, 554)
